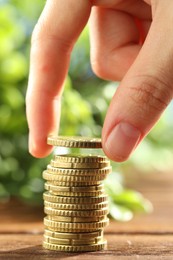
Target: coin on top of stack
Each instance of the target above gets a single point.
(75, 202)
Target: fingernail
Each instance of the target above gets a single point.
(122, 141)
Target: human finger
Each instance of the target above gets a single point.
(116, 37)
(53, 38)
(145, 91)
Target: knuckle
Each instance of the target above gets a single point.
(45, 34)
(151, 94)
(97, 67)
(102, 63)
(99, 64)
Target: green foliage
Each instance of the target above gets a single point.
(123, 203)
(84, 105)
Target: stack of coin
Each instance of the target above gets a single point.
(75, 202)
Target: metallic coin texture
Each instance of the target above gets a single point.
(76, 213)
(56, 191)
(66, 206)
(75, 227)
(82, 248)
(76, 219)
(74, 200)
(67, 178)
(73, 242)
(74, 141)
(79, 158)
(81, 189)
(70, 165)
(78, 172)
(77, 236)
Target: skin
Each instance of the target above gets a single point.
(131, 41)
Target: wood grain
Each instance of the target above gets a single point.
(134, 246)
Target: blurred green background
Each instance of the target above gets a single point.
(83, 112)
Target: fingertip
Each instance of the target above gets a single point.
(121, 141)
(39, 148)
(39, 153)
(113, 157)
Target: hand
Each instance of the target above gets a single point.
(131, 41)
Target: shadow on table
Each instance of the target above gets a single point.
(37, 252)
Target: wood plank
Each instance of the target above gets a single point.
(158, 188)
(17, 217)
(119, 247)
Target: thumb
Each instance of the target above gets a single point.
(145, 91)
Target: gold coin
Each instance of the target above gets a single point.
(75, 184)
(79, 158)
(55, 191)
(72, 242)
(82, 189)
(67, 178)
(76, 219)
(74, 200)
(76, 213)
(80, 165)
(74, 227)
(74, 141)
(82, 248)
(78, 172)
(80, 207)
(77, 236)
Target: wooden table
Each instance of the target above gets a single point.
(145, 237)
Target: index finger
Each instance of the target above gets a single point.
(53, 38)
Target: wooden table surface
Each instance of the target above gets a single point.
(145, 237)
